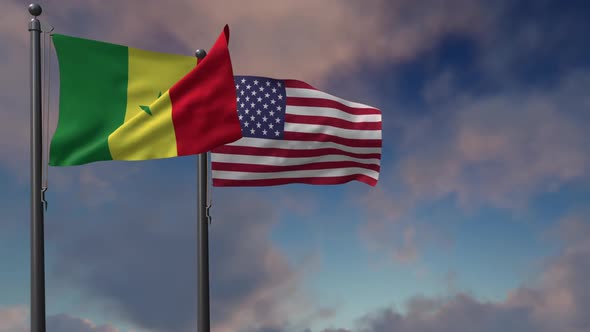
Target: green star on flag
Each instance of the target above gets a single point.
(147, 108)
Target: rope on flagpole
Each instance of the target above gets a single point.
(46, 54)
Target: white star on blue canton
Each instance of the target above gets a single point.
(259, 117)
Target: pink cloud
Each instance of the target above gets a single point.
(389, 228)
(14, 319)
(68, 323)
(557, 300)
(561, 295)
(498, 150)
(250, 276)
(307, 39)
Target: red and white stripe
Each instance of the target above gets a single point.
(327, 140)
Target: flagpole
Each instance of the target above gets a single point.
(37, 237)
(203, 316)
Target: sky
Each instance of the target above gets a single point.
(479, 221)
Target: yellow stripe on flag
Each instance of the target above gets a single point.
(148, 131)
(146, 136)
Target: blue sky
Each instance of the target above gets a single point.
(478, 222)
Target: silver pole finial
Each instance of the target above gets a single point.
(35, 9)
(200, 54)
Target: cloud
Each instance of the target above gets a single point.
(14, 101)
(561, 297)
(68, 323)
(16, 319)
(307, 40)
(497, 150)
(139, 264)
(524, 46)
(460, 313)
(496, 147)
(500, 150)
(558, 300)
(573, 227)
(254, 285)
(276, 37)
(13, 319)
(390, 228)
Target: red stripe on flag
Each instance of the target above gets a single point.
(363, 143)
(320, 102)
(314, 180)
(222, 166)
(298, 84)
(333, 122)
(295, 153)
(204, 103)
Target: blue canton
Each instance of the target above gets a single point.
(261, 106)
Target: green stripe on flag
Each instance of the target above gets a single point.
(93, 99)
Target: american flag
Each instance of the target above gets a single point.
(294, 133)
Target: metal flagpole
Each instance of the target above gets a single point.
(37, 237)
(203, 316)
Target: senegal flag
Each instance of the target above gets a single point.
(123, 103)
